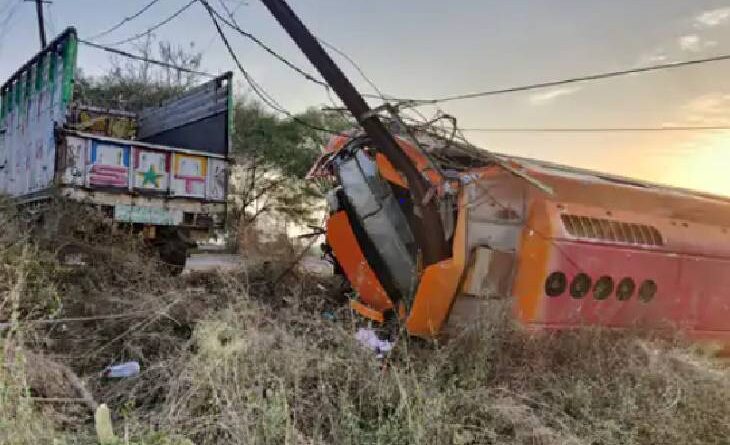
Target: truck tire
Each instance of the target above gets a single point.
(73, 254)
(173, 247)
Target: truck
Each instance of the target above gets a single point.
(162, 171)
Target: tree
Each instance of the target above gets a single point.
(132, 85)
(273, 156)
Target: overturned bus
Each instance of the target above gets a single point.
(570, 247)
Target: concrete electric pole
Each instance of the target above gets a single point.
(428, 230)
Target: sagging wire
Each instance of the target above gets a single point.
(144, 59)
(151, 29)
(125, 20)
(255, 87)
(458, 134)
(550, 84)
(231, 23)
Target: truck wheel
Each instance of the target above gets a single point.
(173, 249)
(72, 254)
(174, 256)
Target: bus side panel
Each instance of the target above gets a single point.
(621, 306)
(690, 292)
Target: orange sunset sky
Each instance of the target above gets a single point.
(428, 48)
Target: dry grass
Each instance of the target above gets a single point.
(239, 358)
(257, 376)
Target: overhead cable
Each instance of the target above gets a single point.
(145, 59)
(255, 87)
(125, 20)
(234, 25)
(379, 94)
(5, 25)
(155, 27)
(599, 129)
(555, 83)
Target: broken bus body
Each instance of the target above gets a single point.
(570, 247)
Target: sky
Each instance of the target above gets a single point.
(431, 48)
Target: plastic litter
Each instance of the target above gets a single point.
(369, 339)
(328, 315)
(123, 370)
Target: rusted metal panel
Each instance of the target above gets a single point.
(74, 163)
(33, 103)
(217, 180)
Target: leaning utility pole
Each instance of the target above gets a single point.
(41, 24)
(429, 231)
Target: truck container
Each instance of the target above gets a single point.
(162, 170)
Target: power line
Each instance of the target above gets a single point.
(145, 59)
(265, 97)
(6, 24)
(555, 83)
(600, 129)
(255, 87)
(310, 77)
(230, 12)
(125, 20)
(380, 94)
(155, 27)
(234, 25)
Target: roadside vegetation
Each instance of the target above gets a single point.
(267, 355)
(244, 358)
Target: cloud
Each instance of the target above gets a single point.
(707, 109)
(712, 17)
(694, 43)
(690, 42)
(545, 97)
(657, 56)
